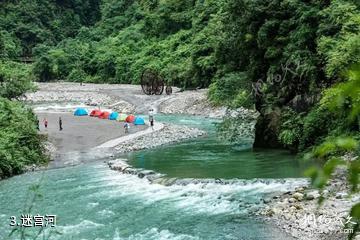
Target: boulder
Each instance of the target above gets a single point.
(267, 200)
(299, 189)
(298, 196)
(298, 206)
(312, 195)
(292, 209)
(341, 195)
(292, 200)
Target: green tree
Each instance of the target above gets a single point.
(344, 98)
(20, 144)
(15, 80)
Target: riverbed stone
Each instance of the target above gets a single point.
(169, 134)
(312, 195)
(298, 206)
(292, 209)
(267, 200)
(341, 195)
(298, 196)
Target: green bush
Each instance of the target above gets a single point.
(77, 75)
(234, 89)
(15, 79)
(341, 100)
(290, 128)
(317, 124)
(20, 144)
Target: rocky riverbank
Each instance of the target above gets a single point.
(92, 95)
(126, 98)
(53, 99)
(299, 213)
(168, 135)
(192, 103)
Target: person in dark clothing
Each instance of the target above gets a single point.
(151, 119)
(60, 124)
(45, 122)
(38, 124)
(126, 127)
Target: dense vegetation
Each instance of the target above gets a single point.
(20, 144)
(27, 24)
(26, 27)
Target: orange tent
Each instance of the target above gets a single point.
(104, 115)
(95, 113)
(130, 118)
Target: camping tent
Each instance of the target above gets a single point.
(113, 116)
(139, 121)
(104, 115)
(130, 119)
(81, 112)
(95, 113)
(122, 117)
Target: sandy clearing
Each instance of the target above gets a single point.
(81, 134)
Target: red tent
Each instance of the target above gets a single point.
(95, 113)
(130, 118)
(104, 115)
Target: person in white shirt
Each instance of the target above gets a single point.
(151, 118)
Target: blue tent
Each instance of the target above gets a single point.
(139, 121)
(113, 116)
(81, 112)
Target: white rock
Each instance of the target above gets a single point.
(312, 195)
(341, 195)
(298, 196)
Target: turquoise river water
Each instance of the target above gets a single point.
(91, 201)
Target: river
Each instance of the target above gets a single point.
(91, 201)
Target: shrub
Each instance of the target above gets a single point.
(20, 144)
(290, 128)
(233, 89)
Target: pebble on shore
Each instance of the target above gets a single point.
(169, 134)
(299, 213)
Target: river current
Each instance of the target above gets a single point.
(91, 201)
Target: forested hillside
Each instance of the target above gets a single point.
(277, 56)
(26, 25)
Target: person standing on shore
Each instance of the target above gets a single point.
(151, 118)
(60, 124)
(45, 122)
(126, 127)
(37, 124)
